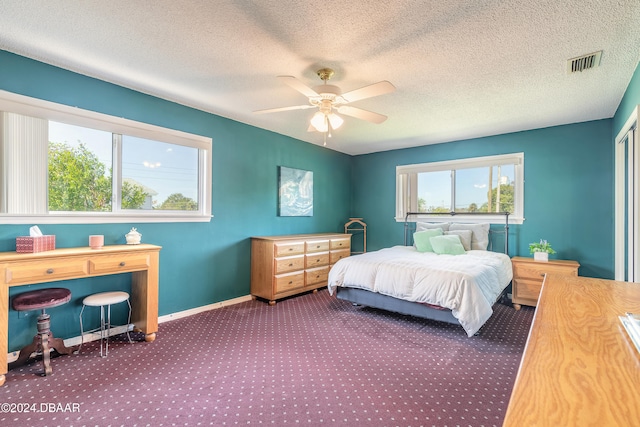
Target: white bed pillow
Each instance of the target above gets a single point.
(421, 226)
(465, 237)
(480, 234)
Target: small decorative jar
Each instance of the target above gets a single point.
(133, 237)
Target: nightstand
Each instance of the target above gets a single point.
(529, 274)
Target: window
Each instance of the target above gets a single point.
(79, 169)
(165, 173)
(482, 184)
(63, 165)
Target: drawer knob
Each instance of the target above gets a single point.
(290, 264)
(50, 271)
(290, 281)
(122, 264)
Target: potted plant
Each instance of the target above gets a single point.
(541, 250)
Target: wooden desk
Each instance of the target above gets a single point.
(76, 263)
(579, 366)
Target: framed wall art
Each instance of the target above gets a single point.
(295, 192)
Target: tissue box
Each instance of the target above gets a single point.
(28, 244)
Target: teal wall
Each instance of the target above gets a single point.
(568, 190)
(200, 263)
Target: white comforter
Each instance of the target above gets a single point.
(467, 284)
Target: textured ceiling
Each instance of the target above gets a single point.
(462, 68)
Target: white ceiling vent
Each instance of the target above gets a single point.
(584, 62)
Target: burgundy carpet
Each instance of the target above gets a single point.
(310, 360)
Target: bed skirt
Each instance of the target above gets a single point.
(385, 302)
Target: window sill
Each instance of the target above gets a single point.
(461, 218)
(107, 218)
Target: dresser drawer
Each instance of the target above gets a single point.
(528, 271)
(344, 243)
(338, 255)
(316, 275)
(528, 289)
(318, 246)
(537, 271)
(316, 260)
(46, 271)
(287, 264)
(287, 282)
(288, 248)
(118, 263)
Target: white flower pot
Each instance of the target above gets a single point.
(541, 256)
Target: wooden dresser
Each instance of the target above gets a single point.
(282, 266)
(579, 367)
(529, 274)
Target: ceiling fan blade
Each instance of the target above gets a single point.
(298, 85)
(375, 89)
(277, 110)
(359, 113)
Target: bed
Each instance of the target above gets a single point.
(432, 284)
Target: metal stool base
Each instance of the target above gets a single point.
(105, 328)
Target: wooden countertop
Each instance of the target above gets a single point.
(579, 367)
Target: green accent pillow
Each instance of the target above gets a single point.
(422, 239)
(449, 245)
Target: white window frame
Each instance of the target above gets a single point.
(406, 188)
(33, 107)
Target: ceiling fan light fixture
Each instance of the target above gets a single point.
(320, 119)
(335, 120)
(319, 122)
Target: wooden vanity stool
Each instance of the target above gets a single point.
(43, 341)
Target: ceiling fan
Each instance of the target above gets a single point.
(330, 99)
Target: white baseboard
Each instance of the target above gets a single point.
(93, 336)
(192, 311)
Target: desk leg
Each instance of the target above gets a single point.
(144, 299)
(4, 328)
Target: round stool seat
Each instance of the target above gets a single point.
(41, 299)
(105, 298)
(102, 300)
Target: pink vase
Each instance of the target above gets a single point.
(96, 241)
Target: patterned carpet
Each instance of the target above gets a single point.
(310, 360)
